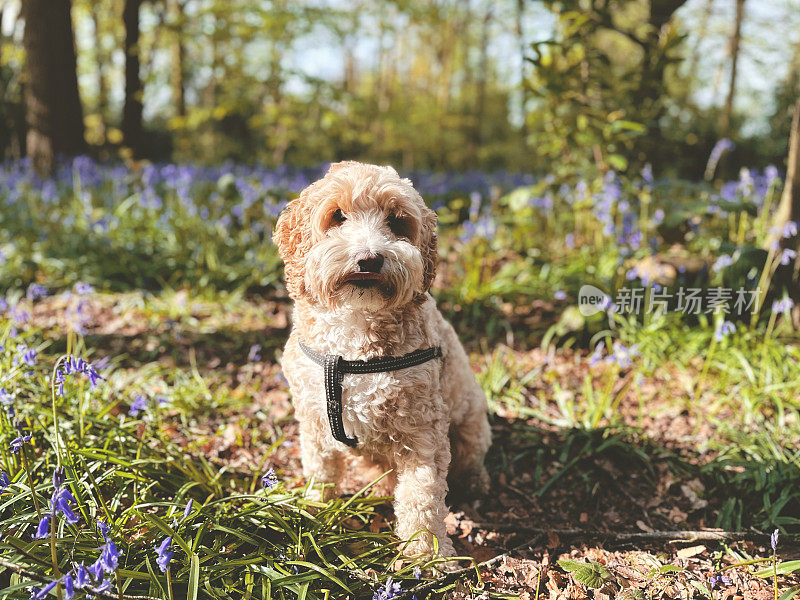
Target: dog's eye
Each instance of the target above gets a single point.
(337, 218)
(400, 226)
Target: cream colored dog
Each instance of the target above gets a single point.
(360, 253)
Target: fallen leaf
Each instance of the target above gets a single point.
(691, 551)
(644, 526)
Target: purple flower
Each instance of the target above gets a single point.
(58, 477)
(37, 594)
(269, 479)
(43, 529)
(560, 295)
(4, 482)
(254, 355)
(718, 581)
(74, 365)
(188, 509)
(773, 540)
(27, 355)
(69, 587)
(109, 557)
(83, 289)
(569, 241)
(81, 577)
(35, 291)
(104, 529)
(771, 174)
(61, 504)
(17, 442)
(97, 570)
(139, 404)
(164, 554)
(388, 591)
(647, 174)
(789, 230)
(725, 328)
(787, 256)
(622, 355)
(5, 397)
(723, 261)
(778, 307)
(597, 355)
(658, 216)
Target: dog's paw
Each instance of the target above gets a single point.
(423, 546)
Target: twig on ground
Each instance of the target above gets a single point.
(42, 579)
(678, 536)
(471, 570)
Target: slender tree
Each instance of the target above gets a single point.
(132, 108)
(736, 41)
(53, 108)
(177, 75)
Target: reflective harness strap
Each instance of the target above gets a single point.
(334, 367)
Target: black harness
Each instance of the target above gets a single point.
(334, 367)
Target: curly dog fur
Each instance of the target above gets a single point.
(359, 247)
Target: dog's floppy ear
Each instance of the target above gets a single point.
(292, 236)
(429, 243)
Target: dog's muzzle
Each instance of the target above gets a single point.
(334, 367)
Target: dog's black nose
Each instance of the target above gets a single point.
(370, 263)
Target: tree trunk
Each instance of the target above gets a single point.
(177, 75)
(53, 107)
(523, 88)
(132, 109)
(736, 39)
(102, 89)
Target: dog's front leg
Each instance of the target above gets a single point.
(322, 461)
(419, 499)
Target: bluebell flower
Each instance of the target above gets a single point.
(60, 502)
(254, 355)
(109, 556)
(35, 291)
(789, 230)
(97, 571)
(417, 573)
(723, 330)
(658, 216)
(43, 529)
(164, 554)
(597, 355)
(560, 295)
(104, 529)
(81, 577)
(4, 481)
(139, 404)
(717, 581)
(787, 256)
(621, 355)
(58, 477)
(721, 147)
(83, 289)
(38, 594)
(771, 174)
(69, 587)
(269, 479)
(187, 511)
(780, 306)
(5, 397)
(569, 241)
(27, 355)
(17, 442)
(388, 591)
(647, 174)
(773, 540)
(723, 261)
(74, 365)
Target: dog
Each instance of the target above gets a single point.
(360, 253)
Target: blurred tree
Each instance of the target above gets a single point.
(53, 106)
(735, 43)
(132, 109)
(602, 81)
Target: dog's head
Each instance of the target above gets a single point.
(360, 237)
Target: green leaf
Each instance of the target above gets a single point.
(790, 593)
(783, 569)
(591, 574)
(194, 576)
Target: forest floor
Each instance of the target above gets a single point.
(605, 493)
